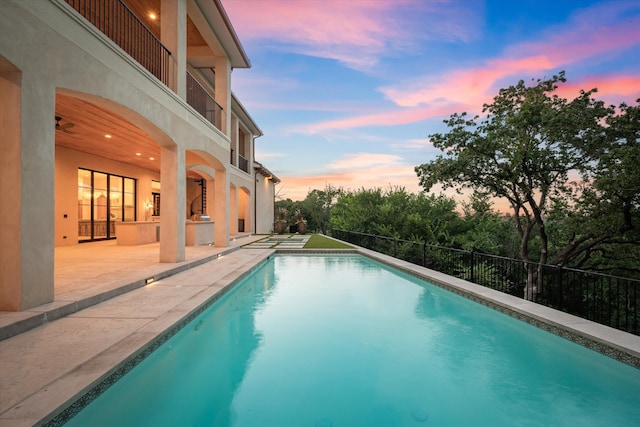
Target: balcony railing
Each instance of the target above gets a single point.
(122, 26)
(243, 164)
(199, 98)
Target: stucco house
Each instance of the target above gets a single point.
(119, 122)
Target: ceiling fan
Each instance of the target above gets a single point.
(65, 127)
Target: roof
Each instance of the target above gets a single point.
(218, 19)
(266, 172)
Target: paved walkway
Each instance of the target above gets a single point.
(45, 367)
(284, 241)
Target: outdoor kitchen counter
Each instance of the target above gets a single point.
(133, 233)
(198, 233)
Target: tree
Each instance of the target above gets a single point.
(317, 207)
(486, 231)
(396, 213)
(601, 230)
(357, 211)
(524, 150)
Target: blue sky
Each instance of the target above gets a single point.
(347, 91)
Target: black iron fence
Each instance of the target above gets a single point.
(605, 299)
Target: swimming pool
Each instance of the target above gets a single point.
(345, 341)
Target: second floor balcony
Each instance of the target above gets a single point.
(126, 24)
(200, 99)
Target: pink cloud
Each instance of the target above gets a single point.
(470, 94)
(612, 89)
(350, 172)
(364, 161)
(391, 117)
(355, 33)
(297, 188)
(469, 86)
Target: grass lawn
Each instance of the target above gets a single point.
(318, 241)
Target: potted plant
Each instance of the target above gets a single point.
(281, 220)
(302, 223)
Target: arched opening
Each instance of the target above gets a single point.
(107, 170)
(206, 193)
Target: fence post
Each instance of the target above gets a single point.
(395, 247)
(560, 301)
(473, 267)
(424, 253)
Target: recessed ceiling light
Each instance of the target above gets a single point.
(153, 16)
(151, 158)
(107, 136)
(138, 154)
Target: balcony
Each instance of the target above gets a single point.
(115, 20)
(198, 97)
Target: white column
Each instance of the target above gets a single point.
(233, 136)
(221, 208)
(173, 30)
(172, 206)
(27, 176)
(223, 91)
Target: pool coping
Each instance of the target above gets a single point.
(616, 344)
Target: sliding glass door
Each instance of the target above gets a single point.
(103, 200)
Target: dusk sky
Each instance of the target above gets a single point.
(347, 91)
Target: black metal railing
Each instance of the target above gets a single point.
(120, 24)
(199, 98)
(602, 298)
(243, 164)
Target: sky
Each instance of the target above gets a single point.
(347, 92)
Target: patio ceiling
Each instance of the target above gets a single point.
(102, 133)
(126, 142)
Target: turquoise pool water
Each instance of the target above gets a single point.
(344, 341)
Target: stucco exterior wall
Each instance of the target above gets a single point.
(265, 204)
